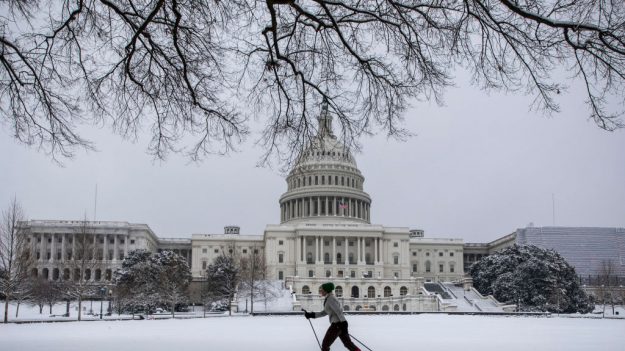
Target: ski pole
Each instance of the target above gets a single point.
(361, 343)
(313, 329)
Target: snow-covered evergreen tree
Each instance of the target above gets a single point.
(147, 280)
(533, 278)
(222, 278)
(174, 277)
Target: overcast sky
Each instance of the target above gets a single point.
(478, 168)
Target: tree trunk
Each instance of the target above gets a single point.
(50, 304)
(40, 308)
(79, 307)
(6, 308)
(173, 307)
(17, 310)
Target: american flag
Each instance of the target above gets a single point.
(342, 205)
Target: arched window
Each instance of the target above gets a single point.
(305, 290)
(87, 274)
(355, 292)
(34, 272)
(403, 307)
(55, 274)
(428, 266)
(309, 180)
(352, 182)
(76, 274)
(338, 291)
(368, 258)
(326, 258)
(309, 258)
(358, 307)
(403, 291)
(371, 292)
(280, 275)
(339, 258)
(45, 273)
(387, 291)
(98, 275)
(342, 180)
(452, 267)
(336, 180)
(396, 308)
(328, 274)
(108, 275)
(385, 308)
(316, 180)
(323, 180)
(351, 258)
(346, 308)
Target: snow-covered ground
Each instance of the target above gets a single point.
(282, 333)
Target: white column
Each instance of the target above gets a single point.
(63, 248)
(375, 250)
(53, 248)
(105, 247)
(115, 248)
(346, 258)
(327, 209)
(358, 254)
(318, 205)
(333, 250)
(42, 248)
(316, 249)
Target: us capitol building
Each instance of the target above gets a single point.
(325, 234)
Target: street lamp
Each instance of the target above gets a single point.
(102, 294)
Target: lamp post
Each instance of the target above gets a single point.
(102, 294)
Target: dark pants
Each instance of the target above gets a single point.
(338, 330)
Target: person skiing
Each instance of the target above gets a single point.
(338, 324)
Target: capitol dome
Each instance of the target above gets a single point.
(325, 183)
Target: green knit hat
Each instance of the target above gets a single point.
(328, 287)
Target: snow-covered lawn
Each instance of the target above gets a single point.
(282, 333)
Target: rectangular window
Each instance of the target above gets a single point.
(451, 254)
(132, 241)
(351, 243)
(280, 275)
(204, 265)
(396, 274)
(59, 240)
(451, 269)
(58, 255)
(244, 251)
(395, 244)
(326, 243)
(440, 254)
(280, 242)
(414, 267)
(395, 259)
(440, 268)
(311, 274)
(204, 250)
(352, 274)
(216, 250)
(414, 253)
(280, 258)
(122, 241)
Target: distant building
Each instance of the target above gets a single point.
(585, 248)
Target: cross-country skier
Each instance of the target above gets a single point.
(338, 323)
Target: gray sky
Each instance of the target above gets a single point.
(477, 168)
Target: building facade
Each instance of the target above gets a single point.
(324, 234)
